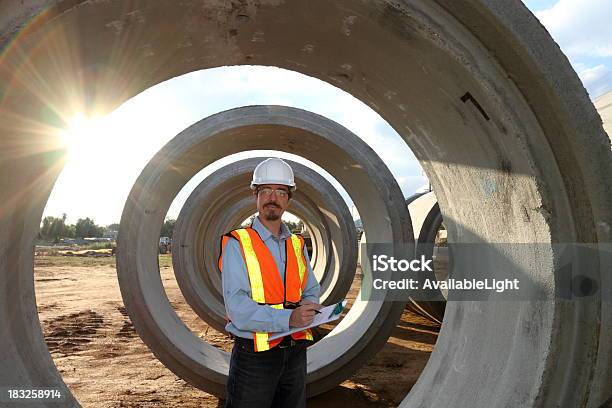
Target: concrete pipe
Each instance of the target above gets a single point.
(202, 289)
(325, 200)
(426, 221)
(223, 200)
(242, 209)
(484, 97)
(346, 157)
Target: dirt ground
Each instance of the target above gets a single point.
(106, 364)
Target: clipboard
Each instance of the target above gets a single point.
(328, 314)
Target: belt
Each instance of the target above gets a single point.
(287, 341)
(248, 344)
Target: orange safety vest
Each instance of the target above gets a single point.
(266, 285)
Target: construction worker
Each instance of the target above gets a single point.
(268, 287)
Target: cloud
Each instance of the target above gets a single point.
(583, 31)
(598, 79)
(582, 28)
(413, 184)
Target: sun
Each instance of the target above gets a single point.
(82, 134)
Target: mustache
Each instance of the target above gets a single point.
(272, 205)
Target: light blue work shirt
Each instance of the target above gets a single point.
(247, 316)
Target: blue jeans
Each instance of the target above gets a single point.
(274, 378)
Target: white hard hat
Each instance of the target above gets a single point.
(273, 171)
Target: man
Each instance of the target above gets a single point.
(268, 287)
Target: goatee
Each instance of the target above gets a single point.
(271, 216)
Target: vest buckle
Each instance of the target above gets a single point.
(287, 342)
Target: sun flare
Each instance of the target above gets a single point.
(82, 134)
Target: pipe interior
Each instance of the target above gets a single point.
(481, 135)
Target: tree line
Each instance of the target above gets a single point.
(53, 229)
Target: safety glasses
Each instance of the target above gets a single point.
(266, 191)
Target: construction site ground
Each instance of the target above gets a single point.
(106, 365)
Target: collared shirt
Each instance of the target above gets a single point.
(247, 316)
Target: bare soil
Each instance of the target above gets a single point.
(105, 363)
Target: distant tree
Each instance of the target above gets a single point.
(45, 228)
(86, 227)
(70, 231)
(111, 229)
(167, 228)
(54, 228)
(248, 222)
(294, 226)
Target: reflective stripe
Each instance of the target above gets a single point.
(252, 264)
(261, 338)
(261, 341)
(309, 335)
(299, 256)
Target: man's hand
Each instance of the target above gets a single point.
(304, 314)
(309, 302)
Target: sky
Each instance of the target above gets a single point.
(107, 154)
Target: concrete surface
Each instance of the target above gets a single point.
(480, 92)
(426, 220)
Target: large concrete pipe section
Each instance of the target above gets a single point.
(203, 290)
(363, 240)
(426, 221)
(223, 200)
(477, 88)
(365, 328)
(242, 209)
(333, 234)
